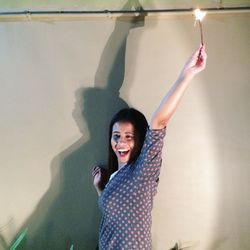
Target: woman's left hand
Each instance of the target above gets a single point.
(195, 64)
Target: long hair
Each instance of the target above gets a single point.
(139, 122)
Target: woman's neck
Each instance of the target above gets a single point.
(121, 165)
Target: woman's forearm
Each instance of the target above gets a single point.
(170, 101)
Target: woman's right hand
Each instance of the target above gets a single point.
(100, 178)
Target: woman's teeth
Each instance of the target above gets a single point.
(123, 152)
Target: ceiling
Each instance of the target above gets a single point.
(94, 5)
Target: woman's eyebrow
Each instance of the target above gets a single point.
(131, 133)
(117, 132)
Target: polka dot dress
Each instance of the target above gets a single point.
(127, 200)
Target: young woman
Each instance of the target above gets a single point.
(126, 200)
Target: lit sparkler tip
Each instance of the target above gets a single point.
(199, 15)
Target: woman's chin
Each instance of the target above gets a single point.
(123, 159)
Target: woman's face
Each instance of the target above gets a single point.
(122, 141)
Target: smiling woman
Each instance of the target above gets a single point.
(135, 149)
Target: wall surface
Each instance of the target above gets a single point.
(61, 82)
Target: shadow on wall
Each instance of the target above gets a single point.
(67, 215)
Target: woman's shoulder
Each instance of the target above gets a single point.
(155, 133)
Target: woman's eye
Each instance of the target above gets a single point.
(129, 137)
(116, 137)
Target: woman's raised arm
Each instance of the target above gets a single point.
(169, 103)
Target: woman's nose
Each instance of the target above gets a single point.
(121, 140)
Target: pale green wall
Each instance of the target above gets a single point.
(60, 84)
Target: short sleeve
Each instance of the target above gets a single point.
(147, 166)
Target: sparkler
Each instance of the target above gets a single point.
(199, 15)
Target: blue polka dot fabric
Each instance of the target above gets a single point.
(127, 200)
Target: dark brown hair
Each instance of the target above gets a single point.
(139, 122)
